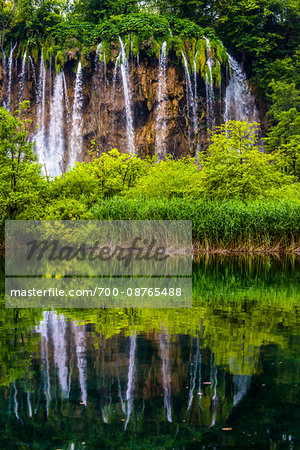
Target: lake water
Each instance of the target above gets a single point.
(223, 374)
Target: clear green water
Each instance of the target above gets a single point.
(223, 374)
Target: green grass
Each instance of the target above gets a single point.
(261, 225)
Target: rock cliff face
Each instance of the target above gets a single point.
(136, 105)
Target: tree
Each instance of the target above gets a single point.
(235, 166)
(284, 139)
(94, 10)
(20, 178)
(7, 15)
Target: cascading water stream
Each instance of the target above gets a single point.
(115, 76)
(210, 96)
(10, 65)
(239, 102)
(22, 77)
(161, 125)
(76, 140)
(127, 97)
(56, 128)
(40, 137)
(33, 69)
(191, 100)
(4, 66)
(100, 56)
(166, 376)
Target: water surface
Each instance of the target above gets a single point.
(223, 374)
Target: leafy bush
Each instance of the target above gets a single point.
(21, 183)
(235, 166)
(168, 179)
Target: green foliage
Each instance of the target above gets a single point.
(59, 61)
(169, 178)
(284, 139)
(283, 97)
(235, 166)
(201, 57)
(95, 10)
(15, 351)
(20, 181)
(111, 174)
(216, 74)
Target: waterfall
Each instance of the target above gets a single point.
(165, 357)
(43, 330)
(4, 69)
(33, 69)
(127, 97)
(22, 77)
(101, 53)
(130, 382)
(40, 137)
(161, 125)
(59, 328)
(56, 128)
(10, 64)
(76, 140)
(191, 100)
(210, 97)
(80, 338)
(239, 102)
(195, 109)
(115, 77)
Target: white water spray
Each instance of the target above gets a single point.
(127, 97)
(101, 57)
(10, 65)
(76, 140)
(56, 129)
(210, 96)
(191, 99)
(239, 102)
(40, 137)
(22, 77)
(161, 125)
